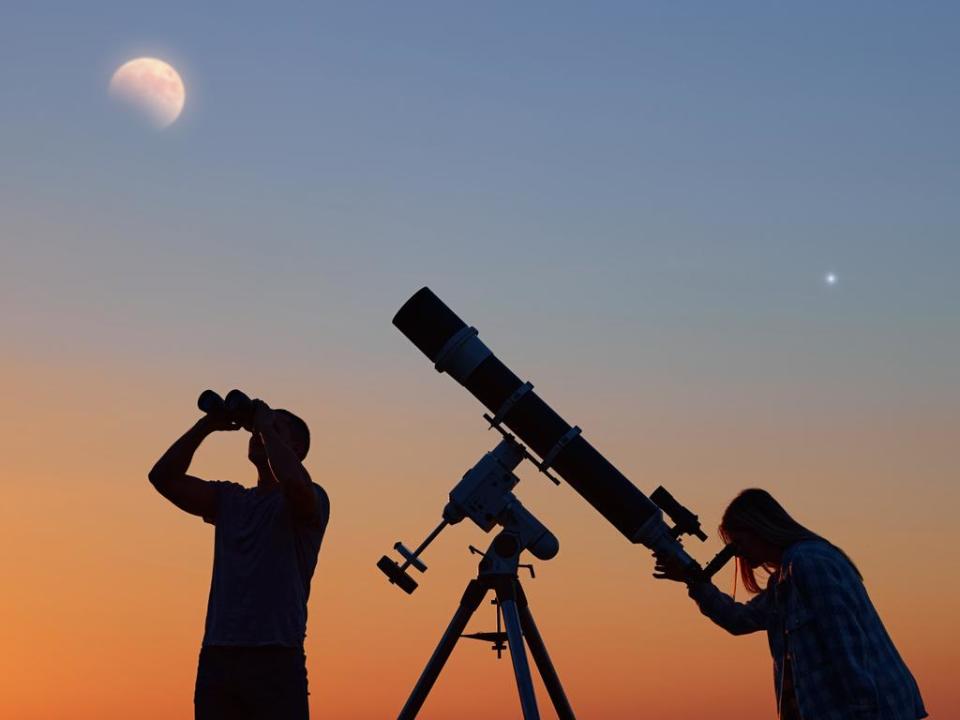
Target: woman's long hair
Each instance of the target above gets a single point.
(755, 511)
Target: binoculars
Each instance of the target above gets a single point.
(236, 406)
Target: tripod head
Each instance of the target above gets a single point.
(484, 496)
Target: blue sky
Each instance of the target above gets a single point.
(670, 180)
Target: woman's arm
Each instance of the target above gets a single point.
(735, 617)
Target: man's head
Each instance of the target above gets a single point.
(292, 430)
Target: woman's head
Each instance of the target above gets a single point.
(761, 529)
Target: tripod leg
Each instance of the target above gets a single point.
(507, 597)
(542, 659)
(472, 597)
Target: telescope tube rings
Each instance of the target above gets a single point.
(461, 354)
(455, 348)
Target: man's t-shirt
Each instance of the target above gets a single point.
(262, 565)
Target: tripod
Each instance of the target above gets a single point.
(498, 572)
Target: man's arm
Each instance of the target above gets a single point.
(287, 468)
(169, 474)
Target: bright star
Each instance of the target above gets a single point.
(831, 278)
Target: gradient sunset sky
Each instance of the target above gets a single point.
(636, 203)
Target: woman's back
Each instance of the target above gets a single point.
(843, 660)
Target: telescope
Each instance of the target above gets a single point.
(485, 496)
(456, 349)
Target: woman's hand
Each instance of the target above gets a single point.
(668, 567)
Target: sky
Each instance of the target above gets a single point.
(637, 204)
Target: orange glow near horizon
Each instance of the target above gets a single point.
(107, 583)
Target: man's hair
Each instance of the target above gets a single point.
(299, 431)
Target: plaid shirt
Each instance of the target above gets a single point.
(824, 630)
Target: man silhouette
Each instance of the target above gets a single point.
(267, 538)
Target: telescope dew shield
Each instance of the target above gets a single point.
(456, 349)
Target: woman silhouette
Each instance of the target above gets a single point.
(832, 657)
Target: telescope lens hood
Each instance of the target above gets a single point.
(427, 322)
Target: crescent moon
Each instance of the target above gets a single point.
(152, 87)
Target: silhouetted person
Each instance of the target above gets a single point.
(252, 663)
(832, 657)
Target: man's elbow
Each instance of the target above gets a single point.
(306, 506)
(157, 477)
(310, 511)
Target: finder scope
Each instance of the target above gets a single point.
(456, 349)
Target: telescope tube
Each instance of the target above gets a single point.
(456, 349)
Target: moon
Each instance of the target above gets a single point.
(151, 87)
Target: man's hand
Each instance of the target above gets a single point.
(264, 418)
(283, 462)
(216, 422)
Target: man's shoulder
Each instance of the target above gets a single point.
(321, 493)
(324, 503)
(223, 489)
(228, 487)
